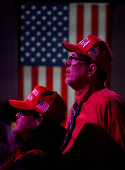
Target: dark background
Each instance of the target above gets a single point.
(9, 52)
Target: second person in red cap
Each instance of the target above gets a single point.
(38, 131)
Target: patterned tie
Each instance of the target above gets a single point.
(75, 111)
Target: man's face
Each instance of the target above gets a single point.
(76, 72)
(25, 123)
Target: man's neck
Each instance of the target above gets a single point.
(80, 91)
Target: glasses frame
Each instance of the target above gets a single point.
(23, 113)
(29, 113)
(70, 60)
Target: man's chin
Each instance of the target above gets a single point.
(16, 130)
(69, 83)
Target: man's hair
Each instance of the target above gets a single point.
(102, 75)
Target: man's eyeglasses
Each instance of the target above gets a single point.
(28, 113)
(23, 113)
(71, 58)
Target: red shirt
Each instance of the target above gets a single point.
(104, 108)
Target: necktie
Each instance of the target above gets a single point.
(70, 126)
(74, 113)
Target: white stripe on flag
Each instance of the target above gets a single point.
(72, 22)
(42, 76)
(27, 81)
(87, 19)
(71, 98)
(57, 79)
(102, 21)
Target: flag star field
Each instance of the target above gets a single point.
(43, 28)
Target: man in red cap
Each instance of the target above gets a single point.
(96, 121)
(38, 131)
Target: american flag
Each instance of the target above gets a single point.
(43, 26)
(93, 53)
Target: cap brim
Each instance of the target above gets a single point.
(72, 47)
(19, 104)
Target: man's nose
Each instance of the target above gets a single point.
(67, 63)
(18, 115)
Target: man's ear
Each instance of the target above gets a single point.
(39, 120)
(92, 69)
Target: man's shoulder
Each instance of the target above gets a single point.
(29, 160)
(106, 94)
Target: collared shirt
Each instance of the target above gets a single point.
(103, 108)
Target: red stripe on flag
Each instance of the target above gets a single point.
(34, 76)
(49, 77)
(63, 85)
(20, 83)
(95, 20)
(80, 12)
(64, 94)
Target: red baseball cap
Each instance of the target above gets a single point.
(44, 101)
(94, 48)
